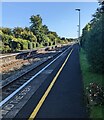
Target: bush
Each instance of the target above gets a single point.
(95, 94)
(95, 47)
(92, 42)
(45, 44)
(0, 45)
(37, 44)
(6, 49)
(18, 46)
(24, 43)
(50, 43)
(34, 45)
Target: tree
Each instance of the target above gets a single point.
(27, 29)
(36, 24)
(28, 35)
(44, 29)
(56, 37)
(92, 41)
(52, 38)
(17, 32)
(85, 35)
(37, 35)
(7, 31)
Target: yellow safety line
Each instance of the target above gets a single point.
(34, 113)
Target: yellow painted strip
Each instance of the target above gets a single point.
(34, 113)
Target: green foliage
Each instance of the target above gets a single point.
(6, 49)
(33, 45)
(50, 44)
(44, 29)
(92, 42)
(1, 46)
(13, 45)
(17, 32)
(18, 46)
(23, 43)
(37, 44)
(37, 35)
(90, 77)
(36, 24)
(28, 35)
(45, 40)
(52, 38)
(6, 31)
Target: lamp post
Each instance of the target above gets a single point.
(78, 9)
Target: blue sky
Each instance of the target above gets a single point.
(60, 17)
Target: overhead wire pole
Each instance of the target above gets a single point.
(78, 9)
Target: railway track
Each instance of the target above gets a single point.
(14, 61)
(22, 64)
(11, 88)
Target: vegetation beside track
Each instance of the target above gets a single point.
(95, 111)
(35, 36)
(92, 63)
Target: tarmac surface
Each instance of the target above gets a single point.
(65, 99)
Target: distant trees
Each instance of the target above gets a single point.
(6, 31)
(92, 42)
(44, 29)
(17, 32)
(44, 36)
(36, 24)
(39, 30)
(36, 35)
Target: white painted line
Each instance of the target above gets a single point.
(16, 91)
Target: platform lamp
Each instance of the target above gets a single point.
(78, 9)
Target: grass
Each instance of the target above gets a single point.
(88, 77)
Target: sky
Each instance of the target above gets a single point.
(60, 17)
